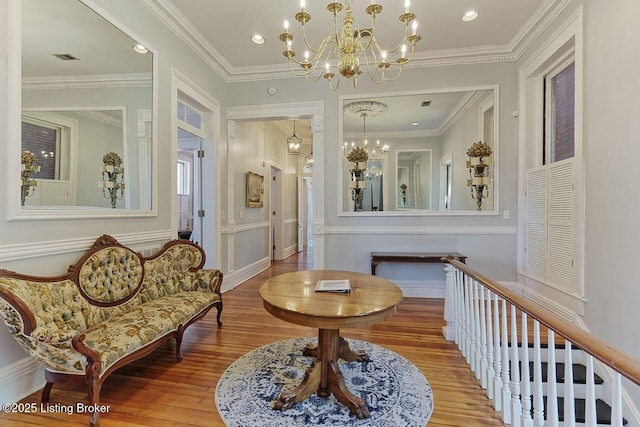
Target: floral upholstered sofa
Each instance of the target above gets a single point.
(113, 306)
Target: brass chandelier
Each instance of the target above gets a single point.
(351, 48)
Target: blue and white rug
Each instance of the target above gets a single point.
(394, 389)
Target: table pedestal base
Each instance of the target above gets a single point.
(324, 376)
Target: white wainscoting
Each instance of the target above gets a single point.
(137, 241)
(421, 288)
(233, 279)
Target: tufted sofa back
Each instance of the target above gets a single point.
(109, 276)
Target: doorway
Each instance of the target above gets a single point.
(195, 120)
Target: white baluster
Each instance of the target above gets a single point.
(490, 368)
(473, 309)
(590, 404)
(468, 324)
(552, 392)
(506, 394)
(569, 387)
(458, 305)
(497, 362)
(527, 421)
(538, 401)
(616, 399)
(516, 405)
(479, 332)
(449, 306)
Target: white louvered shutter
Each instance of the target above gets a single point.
(560, 228)
(551, 224)
(537, 223)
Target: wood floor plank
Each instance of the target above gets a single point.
(159, 391)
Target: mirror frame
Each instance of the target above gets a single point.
(345, 99)
(13, 132)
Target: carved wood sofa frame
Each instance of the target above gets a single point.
(112, 307)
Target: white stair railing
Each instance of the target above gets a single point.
(512, 371)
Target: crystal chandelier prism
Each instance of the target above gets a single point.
(351, 49)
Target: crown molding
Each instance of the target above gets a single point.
(101, 117)
(188, 33)
(542, 17)
(88, 81)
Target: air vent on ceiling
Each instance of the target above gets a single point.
(65, 56)
(426, 103)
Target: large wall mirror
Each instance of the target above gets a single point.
(87, 108)
(411, 153)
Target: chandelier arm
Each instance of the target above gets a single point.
(398, 47)
(306, 41)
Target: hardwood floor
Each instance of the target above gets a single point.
(158, 391)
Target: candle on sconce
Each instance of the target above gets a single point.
(414, 28)
(403, 51)
(407, 4)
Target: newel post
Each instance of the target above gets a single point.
(449, 315)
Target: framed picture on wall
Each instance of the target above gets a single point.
(254, 190)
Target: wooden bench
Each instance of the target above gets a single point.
(423, 257)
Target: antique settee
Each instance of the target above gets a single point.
(112, 307)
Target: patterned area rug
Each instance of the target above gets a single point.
(395, 390)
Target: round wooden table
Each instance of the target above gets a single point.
(292, 297)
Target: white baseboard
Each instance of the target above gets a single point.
(234, 278)
(290, 250)
(421, 289)
(20, 379)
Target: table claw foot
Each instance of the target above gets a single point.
(306, 388)
(339, 389)
(360, 410)
(349, 355)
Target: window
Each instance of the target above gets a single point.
(553, 202)
(559, 118)
(184, 177)
(44, 142)
(189, 115)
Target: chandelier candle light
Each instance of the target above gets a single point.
(112, 182)
(351, 48)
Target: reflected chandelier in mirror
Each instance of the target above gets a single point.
(430, 132)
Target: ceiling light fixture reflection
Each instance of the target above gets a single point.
(140, 48)
(415, 123)
(470, 15)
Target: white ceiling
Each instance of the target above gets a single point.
(220, 32)
(228, 25)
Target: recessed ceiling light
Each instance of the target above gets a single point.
(140, 49)
(470, 15)
(257, 39)
(415, 123)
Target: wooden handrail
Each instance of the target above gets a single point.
(621, 362)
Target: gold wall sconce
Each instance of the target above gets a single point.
(28, 170)
(112, 183)
(478, 165)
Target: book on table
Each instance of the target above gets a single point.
(340, 285)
